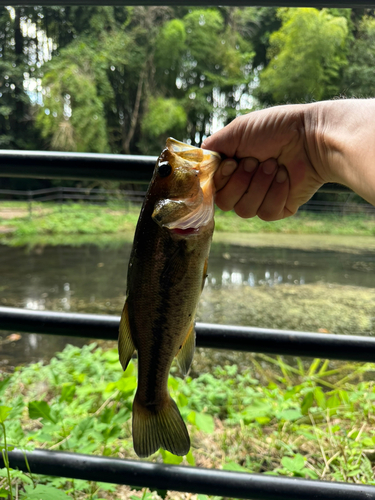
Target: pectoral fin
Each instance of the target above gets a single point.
(126, 346)
(186, 353)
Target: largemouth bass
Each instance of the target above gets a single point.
(166, 274)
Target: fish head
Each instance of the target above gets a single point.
(184, 187)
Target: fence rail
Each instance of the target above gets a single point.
(190, 479)
(63, 195)
(186, 479)
(235, 338)
(138, 473)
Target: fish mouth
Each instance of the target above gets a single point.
(189, 231)
(206, 163)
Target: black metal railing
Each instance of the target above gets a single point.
(234, 338)
(138, 473)
(190, 479)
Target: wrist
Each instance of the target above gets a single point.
(341, 143)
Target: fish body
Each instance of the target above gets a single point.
(166, 273)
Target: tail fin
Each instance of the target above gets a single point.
(159, 427)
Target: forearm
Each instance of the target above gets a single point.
(340, 139)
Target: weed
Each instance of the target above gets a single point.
(311, 421)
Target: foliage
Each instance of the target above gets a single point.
(307, 420)
(73, 114)
(162, 116)
(306, 56)
(360, 72)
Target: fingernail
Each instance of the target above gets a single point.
(250, 164)
(228, 167)
(269, 167)
(281, 175)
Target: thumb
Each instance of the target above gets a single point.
(224, 141)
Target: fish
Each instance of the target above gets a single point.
(166, 274)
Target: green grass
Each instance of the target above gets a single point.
(84, 223)
(312, 421)
(302, 223)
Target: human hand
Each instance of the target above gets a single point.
(269, 170)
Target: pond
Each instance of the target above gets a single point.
(91, 278)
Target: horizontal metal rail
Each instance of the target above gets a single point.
(56, 165)
(255, 3)
(235, 338)
(186, 479)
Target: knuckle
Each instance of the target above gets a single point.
(244, 212)
(268, 215)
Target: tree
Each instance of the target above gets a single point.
(359, 76)
(72, 116)
(19, 55)
(307, 55)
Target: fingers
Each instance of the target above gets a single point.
(253, 189)
(235, 180)
(253, 197)
(273, 206)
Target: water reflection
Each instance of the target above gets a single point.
(235, 277)
(98, 275)
(93, 279)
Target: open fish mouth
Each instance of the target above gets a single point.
(206, 163)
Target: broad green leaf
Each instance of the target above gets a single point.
(290, 415)
(333, 402)
(191, 417)
(295, 464)
(182, 400)
(173, 383)
(107, 486)
(190, 458)
(67, 393)
(4, 413)
(44, 492)
(367, 442)
(235, 467)
(320, 398)
(311, 473)
(307, 402)
(4, 384)
(40, 409)
(126, 384)
(344, 396)
(263, 420)
(169, 458)
(256, 410)
(4, 493)
(205, 422)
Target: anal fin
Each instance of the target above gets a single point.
(186, 353)
(126, 346)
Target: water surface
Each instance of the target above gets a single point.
(91, 278)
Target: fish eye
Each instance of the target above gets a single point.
(164, 169)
